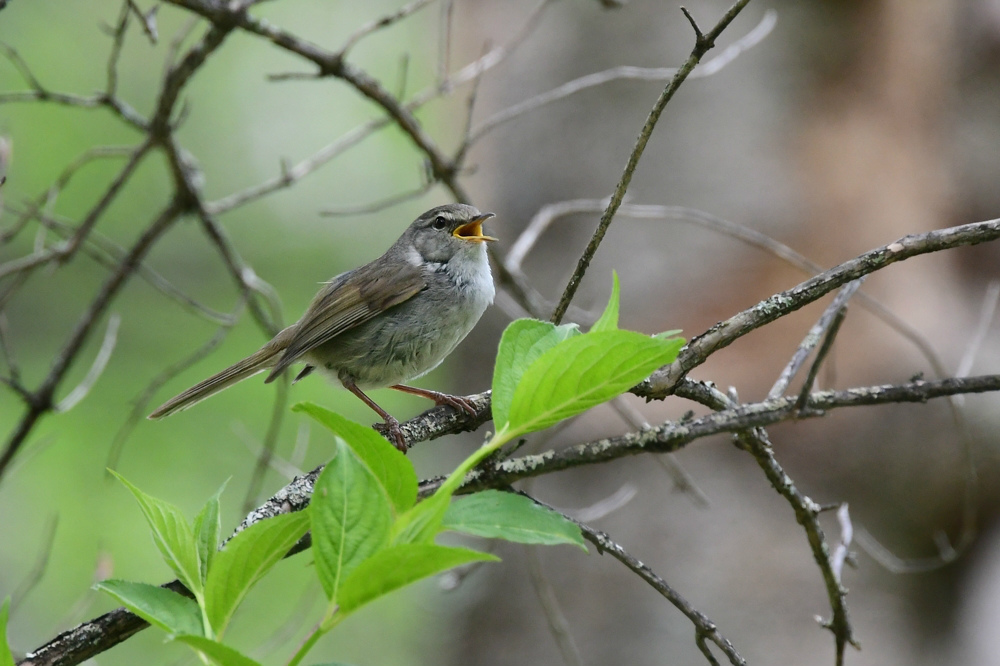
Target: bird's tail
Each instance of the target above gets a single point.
(251, 365)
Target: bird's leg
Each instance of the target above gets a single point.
(395, 432)
(456, 401)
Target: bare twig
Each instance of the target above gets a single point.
(705, 628)
(278, 410)
(813, 337)
(554, 616)
(74, 397)
(707, 68)
(781, 304)
(682, 480)
(380, 23)
(824, 349)
(702, 45)
(378, 206)
(41, 564)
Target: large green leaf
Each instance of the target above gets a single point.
(351, 518)
(523, 341)
(207, 527)
(172, 535)
(163, 608)
(393, 471)
(244, 561)
(499, 515)
(584, 371)
(6, 658)
(398, 566)
(217, 653)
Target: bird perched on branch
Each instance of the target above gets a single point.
(385, 323)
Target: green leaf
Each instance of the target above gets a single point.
(220, 654)
(163, 608)
(351, 518)
(172, 535)
(207, 527)
(393, 471)
(667, 334)
(423, 522)
(523, 341)
(582, 372)
(609, 319)
(6, 658)
(244, 561)
(398, 566)
(498, 515)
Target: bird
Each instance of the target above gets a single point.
(384, 323)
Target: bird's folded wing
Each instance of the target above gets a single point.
(349, 300)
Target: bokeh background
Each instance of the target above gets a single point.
(853, 123)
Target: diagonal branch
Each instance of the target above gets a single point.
(702, 45)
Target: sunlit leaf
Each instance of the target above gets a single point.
(351, 518)
(584, 371)
(523, 341)
(244, 561)
(172, 535)
(609, 319)
(393, 471)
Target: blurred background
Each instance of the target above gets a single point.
(853, 123)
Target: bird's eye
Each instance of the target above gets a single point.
(439, 223)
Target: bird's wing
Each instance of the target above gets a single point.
(348, 300)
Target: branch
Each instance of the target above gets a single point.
(702, 44)
(664, 380)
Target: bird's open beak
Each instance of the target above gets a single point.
(473, 231)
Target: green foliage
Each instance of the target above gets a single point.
(216, 652)
(207, 530)
(582, 372)
(498, 515)
(393, 471)
(6, 658)
(172, 535)
(397, 566)
(522, 342)
(351, 517)
(608, 320)
(244, 561)
(544, 375)
(163, 608)
(370, 536)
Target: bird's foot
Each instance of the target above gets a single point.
(458, 402)
(395, 434)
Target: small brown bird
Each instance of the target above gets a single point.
(385, 323)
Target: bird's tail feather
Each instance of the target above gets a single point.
(251, 365)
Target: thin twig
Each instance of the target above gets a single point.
(683, 481)
(38, 570)
(702, 44)
(704, 627)
(74, 397)
(824, 349)
(380, 23)
(628, 72)
(278, 410)
(813, 337)
(554, 616)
